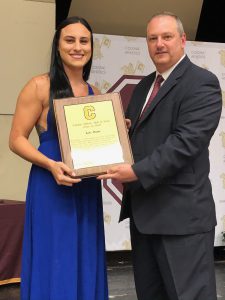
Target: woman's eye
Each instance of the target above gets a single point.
(84, 41)
(70, 41)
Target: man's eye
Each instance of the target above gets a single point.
(152, 39)
(167, 37)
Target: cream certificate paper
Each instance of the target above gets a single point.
(93, 134)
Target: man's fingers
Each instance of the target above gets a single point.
(108, 175)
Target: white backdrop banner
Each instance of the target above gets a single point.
(119, 63)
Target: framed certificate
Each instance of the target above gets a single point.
(92, 133)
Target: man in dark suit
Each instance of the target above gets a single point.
(167, 192)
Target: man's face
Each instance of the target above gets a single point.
(165, 44)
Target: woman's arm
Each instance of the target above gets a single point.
(29, 108)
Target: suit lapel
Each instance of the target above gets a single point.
(142, 97)
(166, 87)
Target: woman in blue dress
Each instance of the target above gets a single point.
(63, 247)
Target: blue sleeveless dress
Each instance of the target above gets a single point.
(63, 247)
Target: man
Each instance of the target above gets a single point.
(167, 192)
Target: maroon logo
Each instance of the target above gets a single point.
(125, 86)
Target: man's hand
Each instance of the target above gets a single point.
(122, 173)
(128, 123)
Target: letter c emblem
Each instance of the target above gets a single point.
(89, 112)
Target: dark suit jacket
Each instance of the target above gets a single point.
(170, 146)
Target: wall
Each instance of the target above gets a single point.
(130, 17)
(26, 30)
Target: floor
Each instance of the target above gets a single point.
(120, 277)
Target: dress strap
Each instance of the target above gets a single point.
(90, 90)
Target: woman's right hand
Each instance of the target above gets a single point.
(62, 173)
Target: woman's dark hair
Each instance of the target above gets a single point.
(59, 83)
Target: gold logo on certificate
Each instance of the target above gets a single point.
(89, 112)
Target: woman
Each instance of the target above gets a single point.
(63, 246)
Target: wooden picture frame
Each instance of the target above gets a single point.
(92, 133)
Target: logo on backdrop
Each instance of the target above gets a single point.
(222, 134)
(125, 86)
(132, 69)
(222, 57)
(103, 86)
(99, 44)
(126, 245)
(223, 220)
(223, 96)
(107, 218)
(223, 179)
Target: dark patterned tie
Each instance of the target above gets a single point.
(156, 87)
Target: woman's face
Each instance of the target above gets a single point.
(75, 46)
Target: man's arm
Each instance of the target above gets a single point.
(198, 118)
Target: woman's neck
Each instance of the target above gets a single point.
(79, 86)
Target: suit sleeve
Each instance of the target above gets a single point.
(196, 122)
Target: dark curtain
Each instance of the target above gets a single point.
(62, 10)
(212, 22)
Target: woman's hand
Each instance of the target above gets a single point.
(62, 173)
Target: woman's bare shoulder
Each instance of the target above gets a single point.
(41, 85)
(41, 81)
(37, 83)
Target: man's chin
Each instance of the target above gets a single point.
(161, 57)
(162, 65)
(161, 61)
